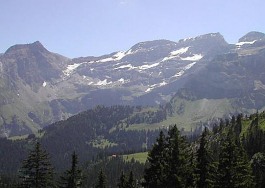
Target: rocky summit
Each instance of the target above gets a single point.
(39, 87)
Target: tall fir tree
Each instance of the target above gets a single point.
(238, 125)
(73, 177)
(131, 181)
(36, 170)
(254, 139)
(177, 154)
(154, 176)
(234, 168)
(258, 166)
(122, 181)
(102, 180)
(204, 166)
(126, 181)
(191, 177)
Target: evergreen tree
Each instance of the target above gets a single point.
(238, 126)
(131, 181)
(234, 169)
(102, 181)
(126, 182)
(258, 166)
(191, 169)
(204, 167)
(155, 174)
(36, 171)
(122, 181)
(177, 159)
(254, 139)
(72, 177)
(243, 172)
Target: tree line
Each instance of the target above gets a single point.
(230, 155)
(226, 157)
(37, 172)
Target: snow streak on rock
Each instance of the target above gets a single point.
(195, 57)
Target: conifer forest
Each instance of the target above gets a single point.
(228, 154)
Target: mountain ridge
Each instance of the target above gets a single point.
(41, 87)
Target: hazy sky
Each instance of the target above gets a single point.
(77, 28)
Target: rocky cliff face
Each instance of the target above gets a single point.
(39, 87)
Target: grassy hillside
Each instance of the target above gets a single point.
(140, 157)
(187, 114)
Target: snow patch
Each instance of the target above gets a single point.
(180, 73)
(121, 80)
(103, 82)
(105, 60)
(144, 67)
(176, 53)
(71, 68)
(116, 57)
(163, 83)
(187, 39)
(179, 51)
(155, 86)
(149, 89)
(129, 52)
(239, 44)
(168, 58)
(90, 83)
(189, 66)
(195, 57)
(129, 66)
(44, 84)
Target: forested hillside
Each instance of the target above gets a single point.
(228, 154)
(92, 134)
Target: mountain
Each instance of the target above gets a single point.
(39, 87)
(231, 83)
(25, 70)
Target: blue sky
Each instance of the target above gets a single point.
(77, 28)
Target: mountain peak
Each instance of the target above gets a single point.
(151, 44)
(214, 37)
(35, 46)
(211, 35)
(252, 36)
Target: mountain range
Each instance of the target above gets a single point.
(197, 79)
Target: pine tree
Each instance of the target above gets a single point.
(204, 165)
(191, 169)
(72, 177)
(102, 181)
(36, 171)
(155, 174)
(238, 126)
(258, 166)
(234, 168)
(131, 181)
(177, 159)
(122, 181)
(254, 139)
(243, 172)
